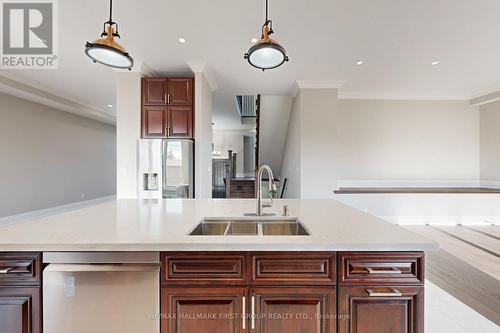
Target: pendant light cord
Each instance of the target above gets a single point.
(110, 10)
(110, 22)
(267, 10)
(268, 22)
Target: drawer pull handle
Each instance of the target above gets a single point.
(393, 270)
(6, 270)
(253, 312)
(394, 293)
(243, 313)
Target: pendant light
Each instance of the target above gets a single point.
(266, 53)
(105, 50)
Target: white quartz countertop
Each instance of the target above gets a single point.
(163, 225)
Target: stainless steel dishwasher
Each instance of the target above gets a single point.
(108, 292)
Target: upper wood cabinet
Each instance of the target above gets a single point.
(167, 91)
(154, 91)
(180, 122)
(167, 107)
(180, 91)
(154, 121)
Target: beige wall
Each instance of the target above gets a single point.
(50, 157)
(338, 140)
(490, 142)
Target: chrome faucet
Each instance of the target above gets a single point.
(258, 185)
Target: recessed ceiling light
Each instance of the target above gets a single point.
(182, 40)
(434, 63)
(254, 40)
(359, 62)
(110, 105)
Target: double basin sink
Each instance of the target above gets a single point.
(282, 226)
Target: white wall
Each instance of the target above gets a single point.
(274, 115)
(490, 142)
(290, 165)
(50, 157)
(203, 137)
(413, 140)
(128, 131)
(225, 140)
(338, 140)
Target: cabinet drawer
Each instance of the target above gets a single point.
(20, 269)
(204, 268)
(381, 268)
(297, 268)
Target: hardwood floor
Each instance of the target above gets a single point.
(467, 266)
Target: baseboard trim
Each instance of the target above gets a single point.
(23, 217)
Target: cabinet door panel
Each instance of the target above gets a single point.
(202, 310)
(154, 91)
(180, 91)
(180, 121)
(20, 310)
(293, 310)
(383, 312)
(154, 122)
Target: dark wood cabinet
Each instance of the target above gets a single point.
(397, 309)
(20, 310)
(180, 121)
(20, 292)
(203, 310)
(381, 268)
(288, 268)
(293, 310)
(154, 121)
(167, 107)
(293, 292)
(154, 91)
(180, 91)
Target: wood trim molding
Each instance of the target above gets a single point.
(15, 87)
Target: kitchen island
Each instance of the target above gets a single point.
(352, 273)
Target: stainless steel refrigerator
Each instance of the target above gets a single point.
(166, 168)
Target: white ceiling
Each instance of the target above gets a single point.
(397, 40)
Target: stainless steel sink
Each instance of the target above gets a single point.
(281, 226)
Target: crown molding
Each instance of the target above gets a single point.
(58, 101)
(201, 67)
(491, 97)
(402, 96)
(313, 84)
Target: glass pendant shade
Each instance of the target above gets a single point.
(108, 52)
(266, 55)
